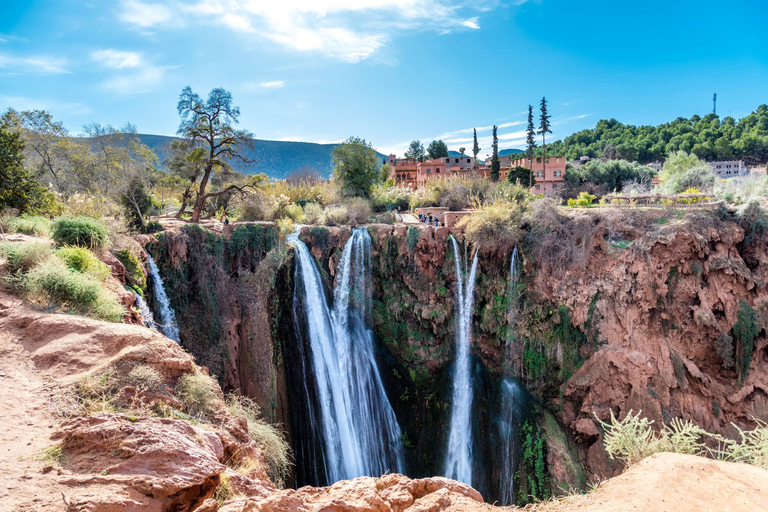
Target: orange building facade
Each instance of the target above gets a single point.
(555, 172)
(403, 171)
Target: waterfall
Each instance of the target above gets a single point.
(511, 402)
(167, 316)
(459, 455)
(359, 432)
(146, 313)
(509, 425)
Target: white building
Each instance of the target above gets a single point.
(729, 168)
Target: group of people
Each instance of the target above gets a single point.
(430, 219)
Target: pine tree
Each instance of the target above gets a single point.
(495, 166)
(530, 141)
(544, 129)
(476, 147)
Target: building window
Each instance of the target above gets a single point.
(437, 171)
(537, 187)
(538, 174)
(557, 173)
(429, 171)
(538, 160)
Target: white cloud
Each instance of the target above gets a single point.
(55, 106)
(133, 73)
(39, 64)
(275, 84)
(144, 15)
(116, 59)
(350, 30)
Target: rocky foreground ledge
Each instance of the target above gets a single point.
(107, 462)
(116, 462)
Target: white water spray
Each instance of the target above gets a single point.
(458, 463)
(146, 313)
(509, 424)
(167, 322)
(360, 433)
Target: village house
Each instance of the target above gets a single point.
(728, 168)
(555, 172)
(403, 171)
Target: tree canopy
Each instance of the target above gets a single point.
(18, 189)
(522, 175)
(356, 166)
(210, 125)
(415, 150)
(437, 149)
(709, 138)
(612, 174)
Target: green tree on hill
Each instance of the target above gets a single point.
(495, 165)
(437, 149)
(530, 141)
(544, 129)
(356, 166)
(522, 175)
(210, 125)
(415, 151)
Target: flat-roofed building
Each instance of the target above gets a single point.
(555, 172)
(459, 163)
(403, 171)
(725, 169)
(429, 170)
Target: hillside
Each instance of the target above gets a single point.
(277, 159)
(710, 138)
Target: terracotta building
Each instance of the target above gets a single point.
(403, 171)
(555, 169)
(429, 170)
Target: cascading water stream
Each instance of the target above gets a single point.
(360, 434)
(167, 322)
(146, 313)
(509, 424)
(511, 403)
(458, 463)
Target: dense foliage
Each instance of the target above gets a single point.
(356, 166)
(708, 137)
(612, 174)
(81, 232)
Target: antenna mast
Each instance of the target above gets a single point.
(714, 104)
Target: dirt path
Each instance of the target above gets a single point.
(24, 430)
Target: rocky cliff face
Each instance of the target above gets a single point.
(652, 317)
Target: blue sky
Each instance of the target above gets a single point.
(386, 70)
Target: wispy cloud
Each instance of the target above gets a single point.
(13, 64)
(144, 15)
(58, 107)
(275, 84)
(116, 59)
(350, 30)
(134, 73)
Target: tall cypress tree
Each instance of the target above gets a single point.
(495, 166)
(544, 129)
(530, 140)
(476, 147)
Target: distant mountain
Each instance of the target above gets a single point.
(277, 159)
(505, 152)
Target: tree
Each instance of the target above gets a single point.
(43, 141)
(437, 149)
(544, 129)
(475, 147)
(612, 174)
(415, 151)
(18, 189)
(521, 175)
(356, 166)
(139, 176)
(495, 166)
(683, 171)
(462, 151)
(209, 125)
(530, 141)
(186, 162)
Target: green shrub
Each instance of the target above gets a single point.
(754, 220)
(145, 378)
(81, 231)
(30, 225)
(312, 213)
(23, 257)
(533, 474)
(385, 198)
(270, 439)
(385, 218)
(134, 270)
(745, 330)
(197, 393)
(153, 226)
(585, 199)
(84, 261)
(58, 285)
(334, 215)
(493, 226)
(358, 210)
